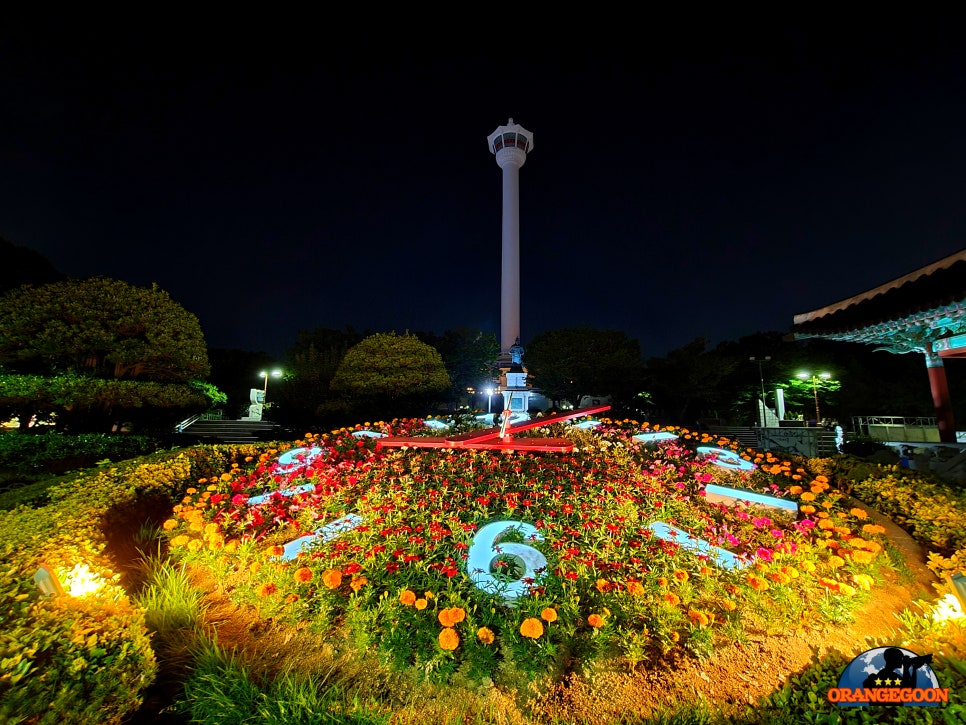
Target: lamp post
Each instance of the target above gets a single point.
(489, 400)
(761, 377)
(814, 378)
(265, 374)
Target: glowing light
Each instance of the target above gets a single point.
(726, 458)
(81, 581)
(947, 608)
(662, 435)
(713, 490)
(298, 458)
(722, 557)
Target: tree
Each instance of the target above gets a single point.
(89, 349)
(570, 363)
(102, 327)
(690, 380)
(469, 355)
(391, 375)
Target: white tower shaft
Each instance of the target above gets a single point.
(510, 144)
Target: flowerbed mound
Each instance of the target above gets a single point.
(610, 590)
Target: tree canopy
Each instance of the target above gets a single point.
(396, 371)
(103, 328)
(580, 361)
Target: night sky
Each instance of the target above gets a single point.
(273, 177)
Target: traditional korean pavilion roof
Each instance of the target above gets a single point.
(923, 311)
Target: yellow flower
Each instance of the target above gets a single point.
(549, 614)
(485, 635)
(863, 581)
(358, 582)
(408, 598)
(808, 496)
(602, 586)
(873, 529)
(332, 578)
(859, 513)
(169, 524)
(672, 599)
(420, 604)
(595, 621)
(862, 557)
(835, 562)
(194, 545)
(807, 509)
(448, 639)
(681, 575)
(531, 627)
(635, 588)
(728, 605)
(179, 540)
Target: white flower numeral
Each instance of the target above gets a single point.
(487, 548)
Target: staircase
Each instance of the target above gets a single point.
(231, 431)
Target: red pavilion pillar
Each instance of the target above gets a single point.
(940, 397)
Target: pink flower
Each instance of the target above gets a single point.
(764, 554)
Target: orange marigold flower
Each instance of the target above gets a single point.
(603, 586)
(635, 588)
(194, 545)
(779, 577)
(531, 627)
(291, 598)
(672, 599)
(795, 490)
(232, 545)
(662, 581)
(728, 605)
(332, 578)
(595, 621)
(859, 513)
(807, 496)
(549, 614)
(485, 635)
(276, 550)
(302, 575)
(420, 604)
(757, 583)
(835, 562)
(702, 619)
(829, 584)
(675, 637)
(448, 639)
(451, 616)
(862, 557)
(681, 575)
(179, 540)
(169, 524)
(193, 490)
(807, 509)
(873, 529)
(358, 582)
(847, 590)
(407, 597)
(267, 590)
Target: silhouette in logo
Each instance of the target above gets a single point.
(899, 670)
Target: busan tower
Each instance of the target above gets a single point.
(510, 144)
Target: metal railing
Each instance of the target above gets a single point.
(896, 428)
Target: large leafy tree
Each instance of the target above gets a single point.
(469, 355)
(391, 374)
(570, 363)
(20, 266)
(690, 381)
(103, 327)
(64, 340)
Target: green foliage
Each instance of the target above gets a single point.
(580, 361)
(33, 451)
(103, 327)
(690, 379)
(223, 690)
(72, 394)
(469, 355)
(391, 368)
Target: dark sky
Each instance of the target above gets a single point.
(273, 177)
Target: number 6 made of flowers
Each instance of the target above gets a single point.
(486, 548)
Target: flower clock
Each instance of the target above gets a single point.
(639, 541)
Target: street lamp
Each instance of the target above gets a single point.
(489, 399)
(814, 378)
(265, 374)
